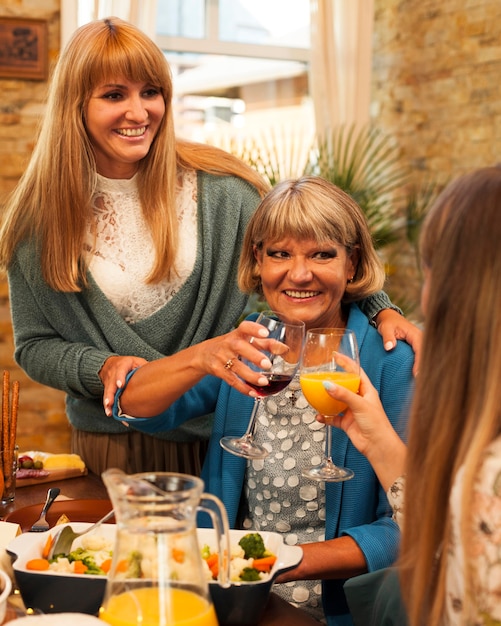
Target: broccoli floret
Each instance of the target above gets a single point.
(134, 565)
(87, 559)
(77, 555)
(249, 574)
(206, 551)
(253, 546)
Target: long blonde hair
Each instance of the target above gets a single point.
(457, 405)
(311, 207)
(52, 202)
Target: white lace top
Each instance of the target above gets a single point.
(485, 541)
(119, 249)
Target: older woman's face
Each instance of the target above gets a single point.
(305, 279)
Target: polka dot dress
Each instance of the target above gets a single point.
(279, 498)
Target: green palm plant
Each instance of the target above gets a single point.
(276, 154)
(364, 163)
(418, 202)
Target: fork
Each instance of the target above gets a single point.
(42, 524)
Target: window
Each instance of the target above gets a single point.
(240, 66)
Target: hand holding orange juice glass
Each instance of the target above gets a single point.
(330, 354)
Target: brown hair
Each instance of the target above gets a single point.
(52, 201)
(312, 208)
(457, 406)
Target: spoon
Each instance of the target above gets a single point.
(63, 539)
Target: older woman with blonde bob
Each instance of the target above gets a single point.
(307, 251)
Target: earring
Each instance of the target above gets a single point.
(350, 280)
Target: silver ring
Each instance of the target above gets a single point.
(228, 365)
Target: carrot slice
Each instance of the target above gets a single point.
(37, 564)
(212, 558)
(213, 563)
(178, 555)
(106, 566)
(79, 567)
(47, 546)
(122, 565)
(264, 564)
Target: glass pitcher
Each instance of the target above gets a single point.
(157, 576)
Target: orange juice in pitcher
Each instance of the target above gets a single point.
(142, 606)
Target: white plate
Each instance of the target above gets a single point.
(58, 619)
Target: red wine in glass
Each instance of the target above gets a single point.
(276, 382)
(284, 362)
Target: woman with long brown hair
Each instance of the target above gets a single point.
(449, 564)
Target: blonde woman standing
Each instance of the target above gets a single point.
(113, 241)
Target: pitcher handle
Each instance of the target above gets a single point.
(217, 511)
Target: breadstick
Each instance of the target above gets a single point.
(12, 432)
(5, 421)
(13, 415)
(5, 405)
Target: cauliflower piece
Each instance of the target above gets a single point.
(61, 565)
(237, 565)
(96, 543)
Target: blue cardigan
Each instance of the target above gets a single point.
(358, 507)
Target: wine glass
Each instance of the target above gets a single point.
(329, 354)
(284, 353)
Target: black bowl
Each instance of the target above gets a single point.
(243, 603)
(61, 594)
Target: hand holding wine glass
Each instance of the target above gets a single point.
(330, 354)
(283, 348)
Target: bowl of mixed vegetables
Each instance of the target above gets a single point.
(76, 582)
(72, 582)
(256, 560)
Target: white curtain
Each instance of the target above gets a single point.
(341, 59)
(74, 13)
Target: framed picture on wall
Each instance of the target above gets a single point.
(23, 48)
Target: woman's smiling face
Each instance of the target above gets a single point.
(122, 119)
(306, 279)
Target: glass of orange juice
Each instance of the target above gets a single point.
(329, 354)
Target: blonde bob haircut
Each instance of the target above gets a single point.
(52, 202)
(311, 208)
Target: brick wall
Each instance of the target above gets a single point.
(42, 421)
(436, 82)
(436, 90)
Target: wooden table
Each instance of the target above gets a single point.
(81, 488)
(91, 487)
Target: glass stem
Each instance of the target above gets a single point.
(328, 443)
(251, 427)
